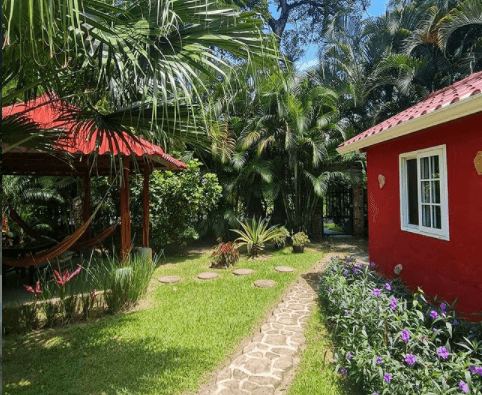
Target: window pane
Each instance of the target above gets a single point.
(412, 188)
(424, 168)
(425, 191)
(435, 191)
(436, 217)
(434, 166)
(426, 214)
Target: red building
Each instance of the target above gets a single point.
(424, 181)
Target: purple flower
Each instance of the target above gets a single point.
(348, 259)
(372, 265)
(405, 335)
(331, 259)
(393, 303)
(411, 359)
(330, 289)
(360, 265)
(345, 273)
(376, 292)
(388, 287)
(433, 314)
(387, 377)
(443, 306)
(464, 387)
(455, 322)
(379, 360)
(475, 370)
(355, 270)
(375, 393)
(443, 352)
(348, 355)
(347, 312)
(343, 371)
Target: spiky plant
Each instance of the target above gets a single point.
(254, 234)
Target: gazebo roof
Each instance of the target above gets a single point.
(48, 114)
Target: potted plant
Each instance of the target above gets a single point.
(280, 240)
(299, 240)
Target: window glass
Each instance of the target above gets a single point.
(412, 188)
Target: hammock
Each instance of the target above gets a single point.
(96, 240)
(27, 229)
(52, 252)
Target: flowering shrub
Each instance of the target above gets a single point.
(300, 239)
(392, 342)
(225, 254)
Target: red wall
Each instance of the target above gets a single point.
(446, 268)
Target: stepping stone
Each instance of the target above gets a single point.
(243, 272)
(207, 276)
(169, 279)
(264, 283)
(284, 269)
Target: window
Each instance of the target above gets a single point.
(423, 192)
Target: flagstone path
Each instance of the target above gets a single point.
(266, 363)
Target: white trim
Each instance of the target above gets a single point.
(460, 109)
(444, 232)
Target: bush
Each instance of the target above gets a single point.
(225, 255)
(300, 239)
(280, 240)
(254, 234)
(392, 342)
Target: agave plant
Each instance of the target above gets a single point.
(254, 234)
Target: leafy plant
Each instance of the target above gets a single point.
(300, 239)
(392, 342)
(225, 254)
(280, 240)
(255, 234)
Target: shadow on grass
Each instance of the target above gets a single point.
(89, 361)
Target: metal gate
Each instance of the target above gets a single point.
(338, 216)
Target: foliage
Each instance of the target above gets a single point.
(300, 239)
(225, 254)
(392, 342)
(280, 240)
(254, 234)
(178, 200)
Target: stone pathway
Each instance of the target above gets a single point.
(266, 363)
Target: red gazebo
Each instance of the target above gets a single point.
(92, 152)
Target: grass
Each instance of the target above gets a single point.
(333, 227)
(184, 333)
(315, 375)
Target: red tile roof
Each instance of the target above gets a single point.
(459, 91)
(47, 114)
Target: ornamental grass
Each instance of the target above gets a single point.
(389, 341)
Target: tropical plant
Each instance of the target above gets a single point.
(255, 234)
(225, 254)
(300, 239)
(280, 240)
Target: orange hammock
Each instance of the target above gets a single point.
(96, 240)
(53, 252)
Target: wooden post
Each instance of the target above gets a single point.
(86, 205)
(125, 213)
(145, 206)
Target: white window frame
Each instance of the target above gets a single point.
(442, 233)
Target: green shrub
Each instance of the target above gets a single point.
(300, 239)
(280, 240)
(254, 234)
(225, 255)
(392, 342)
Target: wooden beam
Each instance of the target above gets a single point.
(125, 213)
(86, 205)
(145, 206)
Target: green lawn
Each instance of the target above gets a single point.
(315, 375)
(170, 347)
(333, 227)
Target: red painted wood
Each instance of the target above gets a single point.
(125, 214)
(145, 207)
(86, 206)
(450, 269)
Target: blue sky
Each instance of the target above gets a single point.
(376, 8)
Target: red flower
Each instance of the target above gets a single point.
(65, 277)
(35, 291)
(93, 294)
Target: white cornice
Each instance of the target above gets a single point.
(453, 111)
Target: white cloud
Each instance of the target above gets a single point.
(305, 65)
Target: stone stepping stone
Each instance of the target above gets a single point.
(284, 269)
(264, 283)
(243, 272)
(207, 276)
(169, 279)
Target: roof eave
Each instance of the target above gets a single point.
(453, 111)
